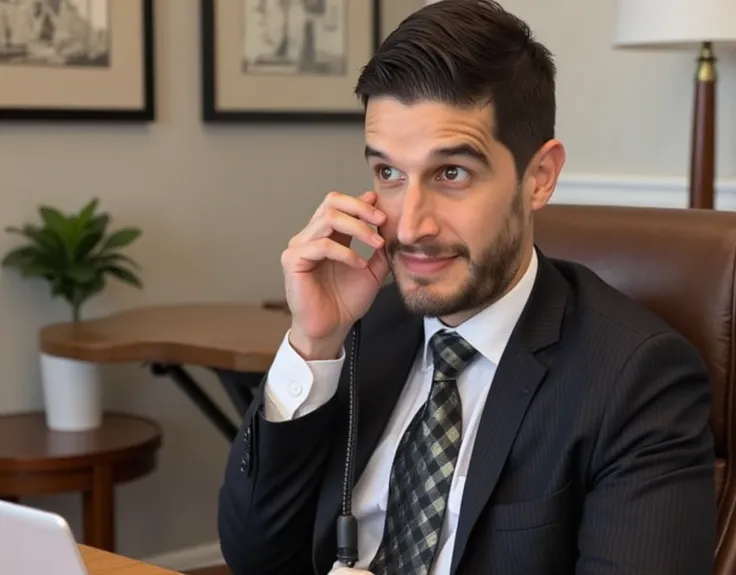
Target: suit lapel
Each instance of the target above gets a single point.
(384, 363)
(517, 378)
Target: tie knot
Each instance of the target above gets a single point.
(451, 354)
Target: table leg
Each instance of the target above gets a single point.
(99, 510)
(238, 385)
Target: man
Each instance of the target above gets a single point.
(516, 414)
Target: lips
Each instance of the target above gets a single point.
(423, 265)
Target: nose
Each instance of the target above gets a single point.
(417, 220)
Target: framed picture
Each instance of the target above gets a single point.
(77, 60)
(285, 60)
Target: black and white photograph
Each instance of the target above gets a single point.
(294, 37)
(77, 60)
(67, 33)
(286, 60)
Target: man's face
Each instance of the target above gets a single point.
(457, 222)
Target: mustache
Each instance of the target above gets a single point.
(428, 249)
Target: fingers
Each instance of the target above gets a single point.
(304, 257)
(344, 217)
(328, 235)
(335, 221)
(361, 207)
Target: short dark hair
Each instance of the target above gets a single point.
(465, 53)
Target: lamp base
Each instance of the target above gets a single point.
(702, 162)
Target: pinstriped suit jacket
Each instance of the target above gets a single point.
(594, 454)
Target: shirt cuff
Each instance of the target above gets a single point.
(295, 387)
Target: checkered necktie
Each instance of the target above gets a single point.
(423, 467)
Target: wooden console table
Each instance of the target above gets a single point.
(236, 341)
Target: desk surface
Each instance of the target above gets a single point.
(240, 337)
(103, 563)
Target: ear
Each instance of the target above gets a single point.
(542, 173)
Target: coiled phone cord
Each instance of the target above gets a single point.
(347, 525)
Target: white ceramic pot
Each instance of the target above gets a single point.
(72, 393)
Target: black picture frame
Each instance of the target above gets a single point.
(143, 113)
(209, 80)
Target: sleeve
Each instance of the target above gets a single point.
(651, 503)
(295, 387)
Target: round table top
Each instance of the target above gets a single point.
(27, 444)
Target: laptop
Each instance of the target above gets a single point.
(35, 542)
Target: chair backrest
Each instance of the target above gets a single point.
(680, 264)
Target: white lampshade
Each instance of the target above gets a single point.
(675, 23)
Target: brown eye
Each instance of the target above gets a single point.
(387, 173)
(454, 173)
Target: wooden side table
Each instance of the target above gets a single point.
(35, 460)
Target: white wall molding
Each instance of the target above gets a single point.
(196, 557)
(624, 190)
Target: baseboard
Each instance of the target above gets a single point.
(626, 190)
(195, 557)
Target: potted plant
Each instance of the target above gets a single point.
(75, 254)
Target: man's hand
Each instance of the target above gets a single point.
(328, 285)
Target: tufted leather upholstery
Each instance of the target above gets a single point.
(681, 265)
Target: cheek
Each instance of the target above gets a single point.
(479, 229)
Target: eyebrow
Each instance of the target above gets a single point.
(462, 150)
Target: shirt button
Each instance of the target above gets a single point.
(295, 389)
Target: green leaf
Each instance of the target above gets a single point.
(20, 256)
(55, 220)
(124, 275)
(86, 213)
(87, 244)
(111, 259)
(82, 273)
(121, 238)
(98, 223)
(43, 237)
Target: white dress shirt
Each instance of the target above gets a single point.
(295, 387)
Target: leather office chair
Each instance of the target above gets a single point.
(681, 264)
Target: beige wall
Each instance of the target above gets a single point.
(218, 205)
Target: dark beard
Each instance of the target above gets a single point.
(490, 274)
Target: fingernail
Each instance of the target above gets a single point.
(377, 239)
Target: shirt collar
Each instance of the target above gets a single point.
(489, 330)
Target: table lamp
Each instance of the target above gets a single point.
(678, 24)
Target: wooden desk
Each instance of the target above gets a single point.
(236, 341)
(35, 460)
(103, 563)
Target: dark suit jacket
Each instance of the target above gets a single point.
(594, 453)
